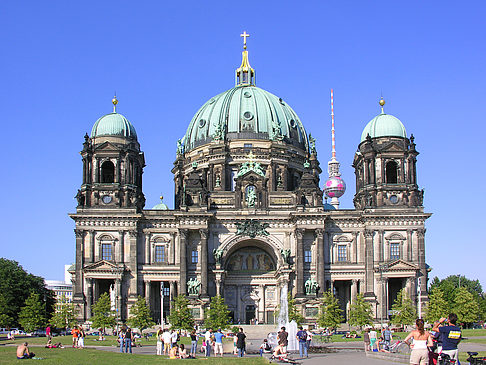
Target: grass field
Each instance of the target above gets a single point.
(463, 356)
(88, 356)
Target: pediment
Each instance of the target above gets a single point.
(400, 265)
(251, 176)
(102, 265)
(392, 147)
(108, 146)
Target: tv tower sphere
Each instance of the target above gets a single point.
(334, 187)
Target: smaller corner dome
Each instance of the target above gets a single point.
(161, 205)
(113, 124)
(328, 206)
(384, 125)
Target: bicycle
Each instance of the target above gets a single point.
(476, 360)
(445, 359)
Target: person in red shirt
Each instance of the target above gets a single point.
(75, 333)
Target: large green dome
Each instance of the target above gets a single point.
(113, 124)
(384, 125)
(245, 112)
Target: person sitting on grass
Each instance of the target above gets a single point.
(183, 352)
(265, 347)
(23, 352)
(174, 352)
(279, 352)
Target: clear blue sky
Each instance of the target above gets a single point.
(61, 62)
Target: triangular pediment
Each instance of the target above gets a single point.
(250, 175)
(392, 147)
(102, 265)
(108, 146)
(400, 265)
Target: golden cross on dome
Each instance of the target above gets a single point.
(244, 35)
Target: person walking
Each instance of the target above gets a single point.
(283, 339)
(309, 339)
(420, 340)
(450, 335)
(302, 337)
(193, 344)
(81, 336)
(208, 339)
(373, 338)
(48, 333)
(386, 336)
(241, 343)
(366, 339)
(128, 340)
(218, 343)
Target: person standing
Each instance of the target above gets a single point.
(241, 343)
(373, 337)
(283, 339)
(166, 339)
(309, 340)
(366, 339)
(193, 343)
(159, 341)
(81, 336)
(48, 333)
(450, 335)
(74, 333)
(207, 337)
(421, 339)
(121, 338)
(302, 337)
(386, 335)
(218, 343)
(173, 338)
(128, 340)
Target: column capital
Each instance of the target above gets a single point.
(319, 233)
(299, 233)
(421, 232)
(183, 233)
(133, 234)
(79, 233)
(354, 281)
(368, 233)
(204, 233)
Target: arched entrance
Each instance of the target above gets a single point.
(250, 285)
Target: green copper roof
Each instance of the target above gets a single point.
(245, 112)
(384, 125)
(161, 205)
(113, 124)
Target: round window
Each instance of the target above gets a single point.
(211, 101)
(248, 115)
(247, 94)
(394, 199)
(292, 123)
(202, 123)
(106, 199)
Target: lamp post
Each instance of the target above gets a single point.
(419, 293)
(161, 303)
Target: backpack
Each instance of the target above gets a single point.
(303, 335)
(386, 335)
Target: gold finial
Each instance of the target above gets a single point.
(244, 35)
(114, 101)
(382, 103)
(161, 198)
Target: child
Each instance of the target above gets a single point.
(265, 347)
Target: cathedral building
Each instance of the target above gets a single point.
(249, 217)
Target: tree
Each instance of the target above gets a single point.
(360, 313)
(405, 312)
(180, 316)
(453, 282)
(65, 316)
(437, 307)
(466, 308)
(33, 315)
(16, 285)
(6, 320)
(294, 313)
(140, 315)
(217, 315)
(330, 313)
(103, 315)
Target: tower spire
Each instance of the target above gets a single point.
(335, 186)
(245, 74)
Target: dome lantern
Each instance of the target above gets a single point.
(245, 75)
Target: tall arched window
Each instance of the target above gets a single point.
(391, 172)
(107, 172)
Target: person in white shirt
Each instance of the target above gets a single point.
(373, 338)
(174, 337)
(207, 337)
(166, 339)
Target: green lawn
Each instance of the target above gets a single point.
(463, 356)
(478, 332)
(88, 356)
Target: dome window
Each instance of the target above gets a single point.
(202, 123)
(391, 172)
(212, 101)
(108, 172)
(293, 124)
(247, 94)
(248, 115)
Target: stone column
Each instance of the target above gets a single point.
(421, 261)
(327, 252)
(407, 246)
(204, 262)
(92, 244)
(133, 265)
(147, 292)
(354, 290)
(354, 245)
(172, 249)
(119, 297)
(369, 276)
(261, 304)
(299, 234)
(78, 284)
(120, 257)
(89, 297)
(183, 261)
(320, 259)
(147, 248)
(238, 302)
(332, 286)
(415, 250)
(172, 290)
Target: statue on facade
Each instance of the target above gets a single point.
(80, 198)
(218, 181)
(311, 287)
(252, 228)
(285, 255)
(276, 133)
(218, 255)
(251, 197)
(219, 132)
(312, 142)
(180, 147)
(193, 286)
